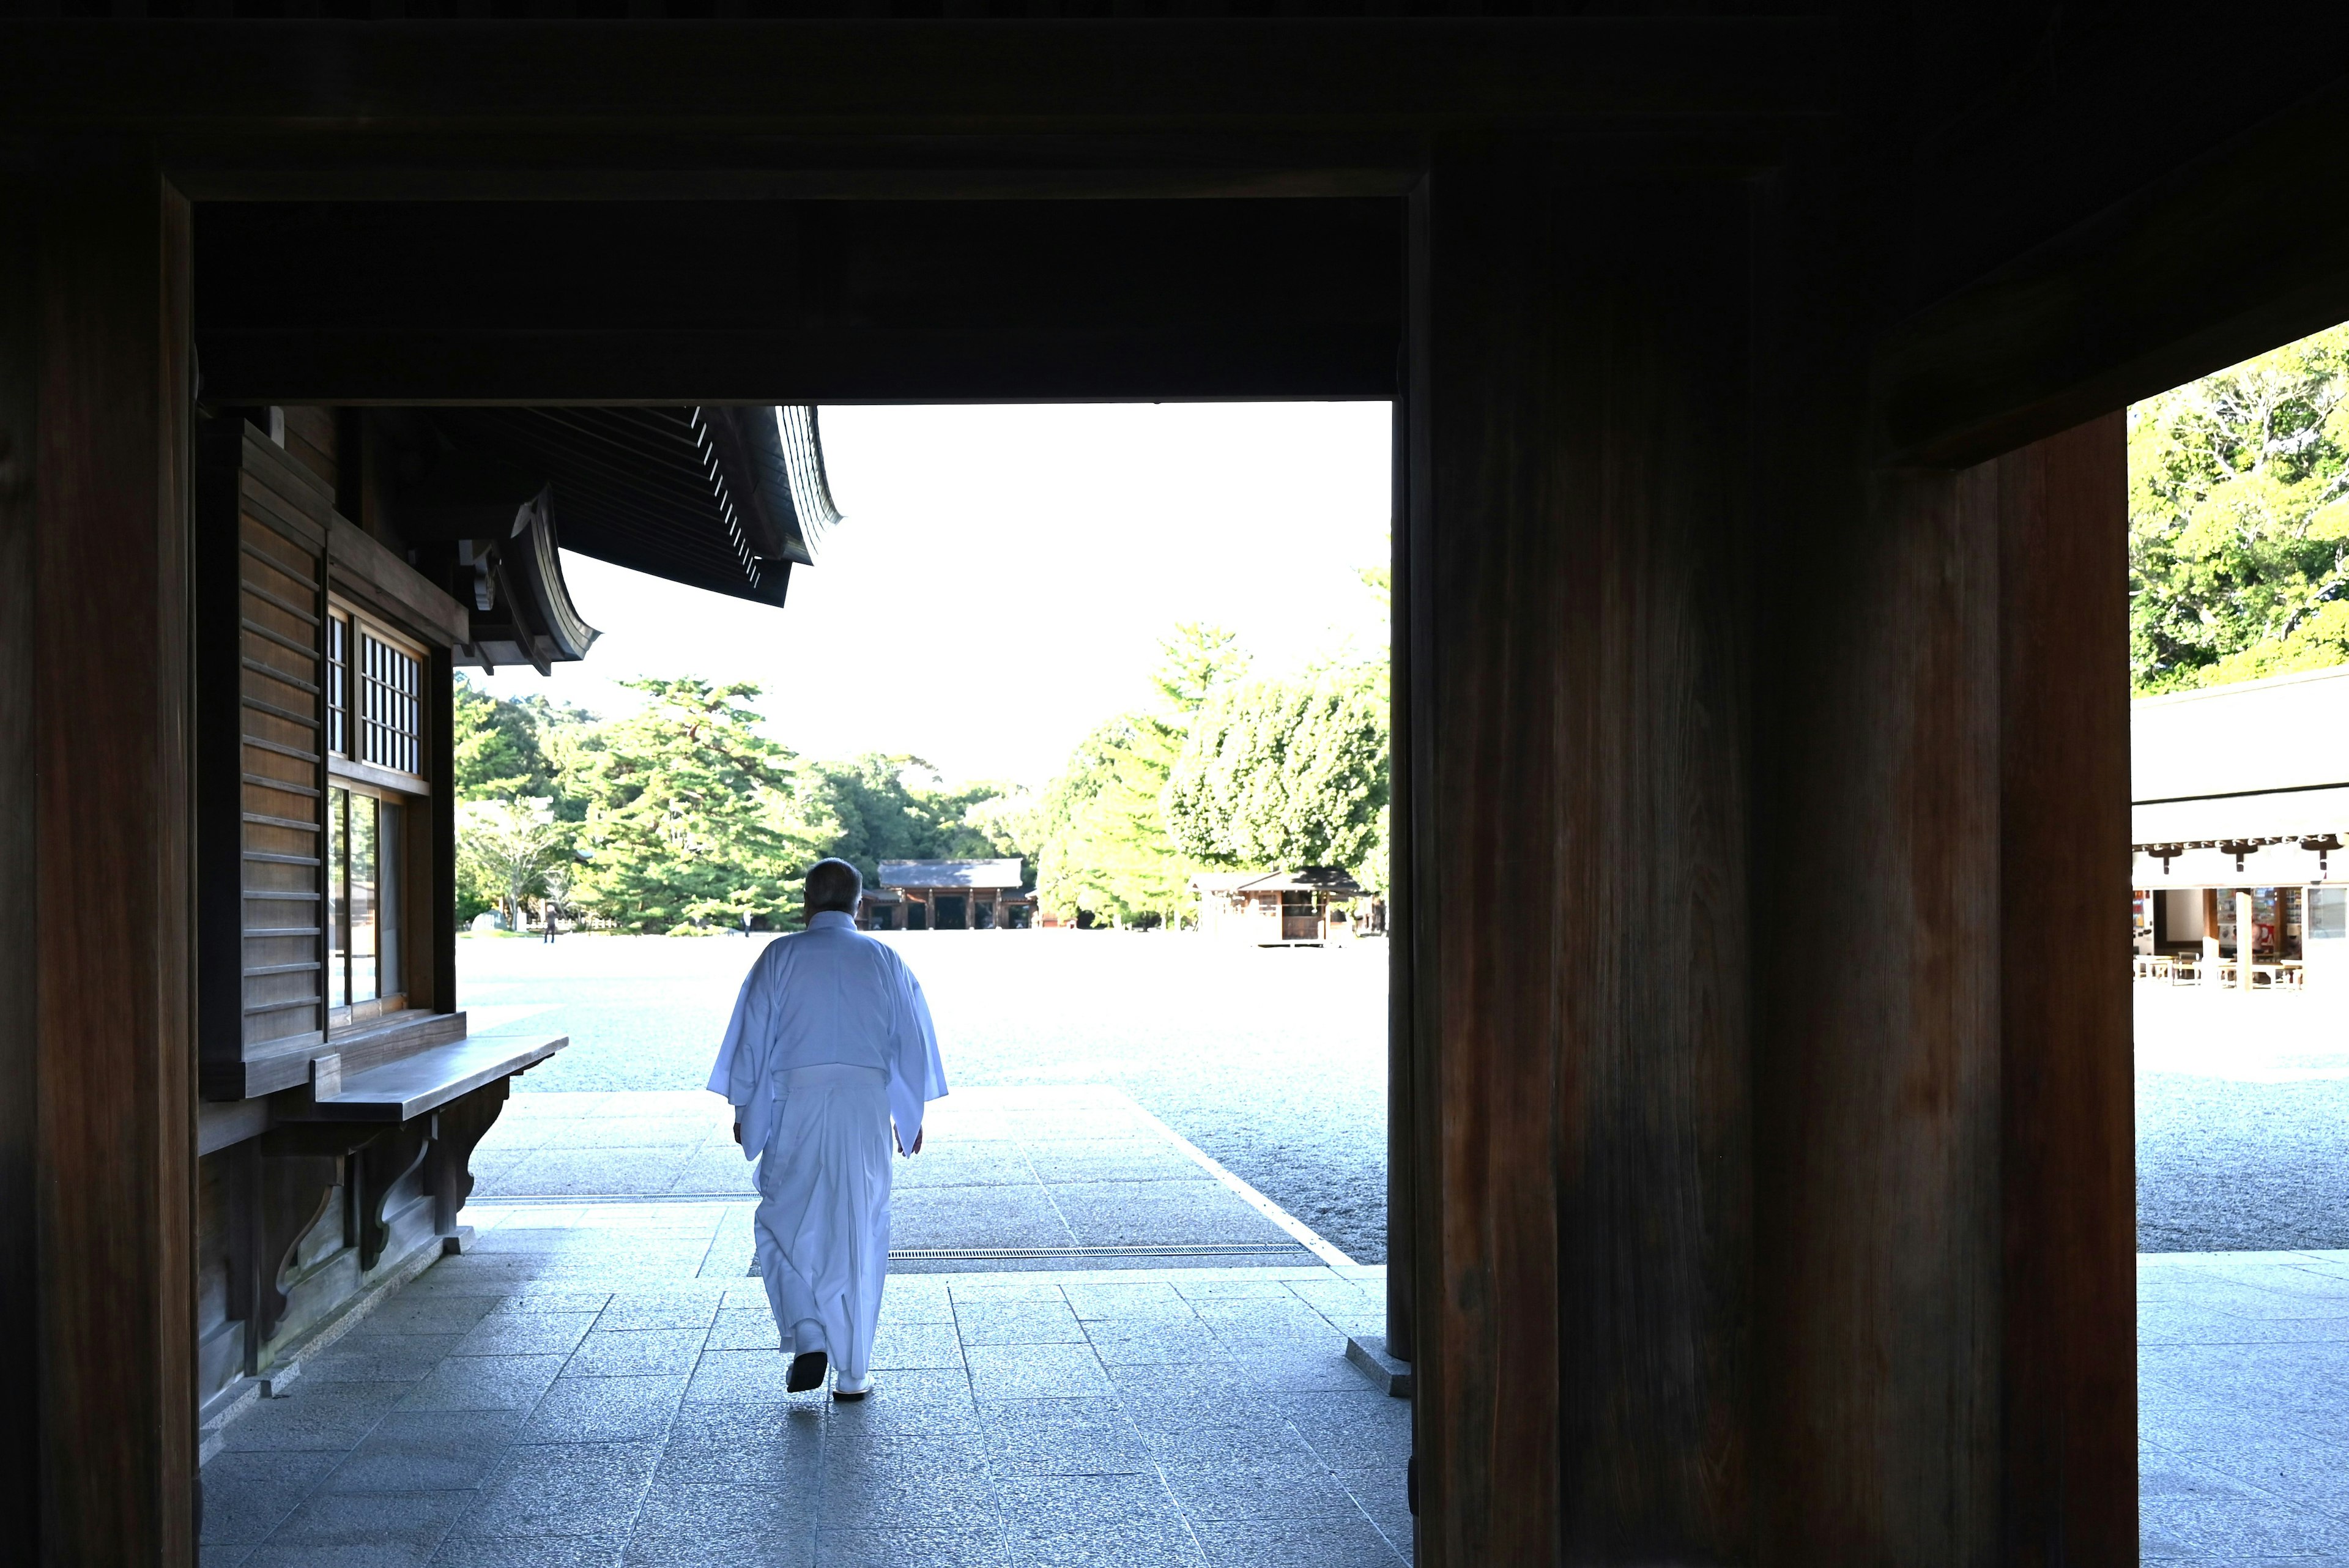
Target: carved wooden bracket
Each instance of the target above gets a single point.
(386, 1158)
(464, 1123)
(295, 1173)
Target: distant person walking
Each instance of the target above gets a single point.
(830, 1044)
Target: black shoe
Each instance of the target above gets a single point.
(807, 1368)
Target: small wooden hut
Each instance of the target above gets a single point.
(1276, 908)
(947, 896)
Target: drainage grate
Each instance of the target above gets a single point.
(994, 1255)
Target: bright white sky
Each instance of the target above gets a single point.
(1004, 574)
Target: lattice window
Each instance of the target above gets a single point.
(338, 685)
(390, 708)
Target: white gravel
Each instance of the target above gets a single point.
(1272, 1061)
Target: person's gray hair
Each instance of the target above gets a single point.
(834, 885)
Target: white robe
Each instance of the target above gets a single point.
(830, 1042)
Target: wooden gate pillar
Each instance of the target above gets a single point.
(1944, 1205)
(1576, 667)
(116, 1110)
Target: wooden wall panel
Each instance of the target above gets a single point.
(1944, 1194)
(1581, 1087)
(112, 728)
(2068, 1193)
(1877, 1061)
(262, 527)
(19, 860)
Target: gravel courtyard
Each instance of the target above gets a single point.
(1272, 1061)
(2242, 1120)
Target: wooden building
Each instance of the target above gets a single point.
(947, 896)
(1760, 494)
(2239, 812)
(1276, 908)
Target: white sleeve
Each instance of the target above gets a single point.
(739, 1071)
(916, 1076)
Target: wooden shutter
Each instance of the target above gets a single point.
(262, 526)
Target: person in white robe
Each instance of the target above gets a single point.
(831, 1046)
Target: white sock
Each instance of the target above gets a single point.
(807, 1337)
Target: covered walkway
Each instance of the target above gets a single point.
(596, 1381)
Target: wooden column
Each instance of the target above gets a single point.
(19, 861)
(1402, 951)
(1943, 1195)
(115, 1276)
(2068, 1156)
(2246, 938)
(1577, 666)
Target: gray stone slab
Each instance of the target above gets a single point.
(962, 1503)
(636, 1352)
(748, 1330)
(678, 1511)
(745, 1445)
(1163, 1545)
(1161, 1213)
(1106, 1502)
(315, 1416)
(248, 1494)
(553, 1491)
(429, 1450)
(484, 1383)
(1030, 1371)
(409, 1313)
(742, 1377)
(361, 1356)
(914, 1346)
(976, 1218)
(605, 1410)
(1045, 1321)
(527, 1334)
(660, 1309)
(1296, 1543)
(379, 1530)
(458, 1550)
(870, 1548)
(1351, 1430)
(1257, 1486)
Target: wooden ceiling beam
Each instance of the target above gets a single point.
(948, 77)
(2197, 271)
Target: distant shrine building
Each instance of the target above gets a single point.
(2240, 809)
(345, 564)
(947, 896)
(1276, 908)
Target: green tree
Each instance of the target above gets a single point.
(498, 755)
(1103, 843)
(694, 818)
(2239, 520)
(1285, 775)
(505, 849)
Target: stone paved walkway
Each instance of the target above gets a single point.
(1075, 1176)
(597, 1383)
(576, 1390)
(2243, 1407)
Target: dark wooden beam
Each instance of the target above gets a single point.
(112, 722)
(1580, 1098)
(393, 366)
(20, 916)
(798, 301)
(960, 78)
(2066, 1067)
(2208, 264)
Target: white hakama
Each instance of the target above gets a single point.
(822, 1225)
(831, 1043)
